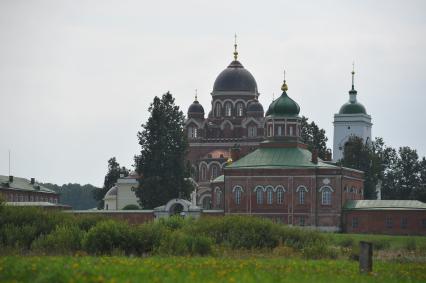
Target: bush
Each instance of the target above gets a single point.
(346, 242)
(319, 251)
(131, 207)
(410, 244)
(238, 232)
(178, 243)
(147, 237)
(381, 244)
(108, 237)
(63, 240)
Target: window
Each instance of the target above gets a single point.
(269, 195)
(404, 222)
(240, 109)
(203, 172)
(192, 132)
(259, 195)
(424, 223)
(270, 130)
(237, 191)
(326, 197)
(218, 197)
(218, 109)
(302, 190)
(214, 172)
(388, 222)
(228, 109)
(291, 131)
(31, 198)
(252, 131)
(280, 131)
(280, 195)
(302, 220)
(106, 206)
(354, 222)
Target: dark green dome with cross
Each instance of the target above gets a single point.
(283, 106)
(352, 106)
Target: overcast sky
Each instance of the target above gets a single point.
(77, 77)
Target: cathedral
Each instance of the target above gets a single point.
(237, 131)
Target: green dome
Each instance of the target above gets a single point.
(284, 106)
(352, 108)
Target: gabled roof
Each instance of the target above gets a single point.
(22, 184)
(384, 205)
(282, 157)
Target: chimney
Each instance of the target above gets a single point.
(10, 179)
(32, 181)
(328, 155)
(315, 156)
(235, 152)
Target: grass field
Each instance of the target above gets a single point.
(195, 269)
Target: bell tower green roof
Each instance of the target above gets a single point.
(352, 106)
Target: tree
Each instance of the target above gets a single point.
(314, 137)
(114, 172)
(161, 161)
(362, 156)
(77, 196)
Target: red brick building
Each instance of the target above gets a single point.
(394, 217)
(21, 190)
(283, 180)
(236, 117)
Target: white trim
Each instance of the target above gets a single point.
(327, 187)
(237, 187)
(258, 187)
(251, 119)
(280, 187)
(301, 187)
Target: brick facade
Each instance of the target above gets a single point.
(391, 222)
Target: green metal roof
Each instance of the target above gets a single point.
(352, 108)
(219, 179)
(284, 106)
(384, 205)
(22, 184)
(287, 157)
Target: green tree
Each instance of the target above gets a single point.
(114, 172)
(314, 137)
(365, 157)
(77, 196)
(161, 161)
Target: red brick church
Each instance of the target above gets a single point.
(248, 162)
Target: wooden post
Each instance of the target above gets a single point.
(365, 257)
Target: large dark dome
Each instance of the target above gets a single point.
(254, 106)
(196, 107)
(235, 78)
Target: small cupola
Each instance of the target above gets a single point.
(282, 120)
(283, 106)
(196, 110)
(255, 108)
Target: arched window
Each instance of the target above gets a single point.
(259, 195)
(269, 195)
(280, 195)
(218, 109)
(218, 196)
(214, 172)
(228, 109)
(326, 195)
(237, 194)
(240, 109)
(207, 203)
(291, 131)
(192, 132)
(270, 130)
(203, 172)
(280, 131)
(302, 190)
(252, 131)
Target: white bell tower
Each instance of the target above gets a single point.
(352, 120)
